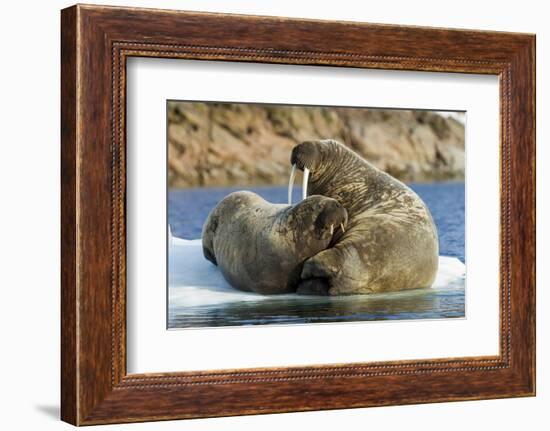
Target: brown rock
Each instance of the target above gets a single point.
(243, 144)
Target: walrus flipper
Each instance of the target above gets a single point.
(323, 265)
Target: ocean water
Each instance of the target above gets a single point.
(199, 297)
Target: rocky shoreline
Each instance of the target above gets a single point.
(218, 144)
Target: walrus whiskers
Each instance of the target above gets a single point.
(291, 183)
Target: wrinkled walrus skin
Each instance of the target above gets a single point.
(391, 241)
(260, 247)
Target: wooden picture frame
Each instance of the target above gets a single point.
(96, 41)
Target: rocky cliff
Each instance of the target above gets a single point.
(219, 144)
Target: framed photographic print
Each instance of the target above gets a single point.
(250, 146)
(264, 214)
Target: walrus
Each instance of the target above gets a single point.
(260, 247)
(390, 242)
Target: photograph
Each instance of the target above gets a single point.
(297, 214)
(275, 214)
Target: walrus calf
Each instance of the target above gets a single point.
(390, 242)
(260, 247)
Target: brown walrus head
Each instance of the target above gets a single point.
(328, 217)
(307, 155)
(310, 157)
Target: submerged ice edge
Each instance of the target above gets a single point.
(194, 281)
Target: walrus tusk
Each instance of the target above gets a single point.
(304, 183)
(291, 183)
(342, 227)
(332, 229)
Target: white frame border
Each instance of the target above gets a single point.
(152, 348)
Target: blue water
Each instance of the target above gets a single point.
(188, 209)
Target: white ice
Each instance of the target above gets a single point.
(195, 281)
